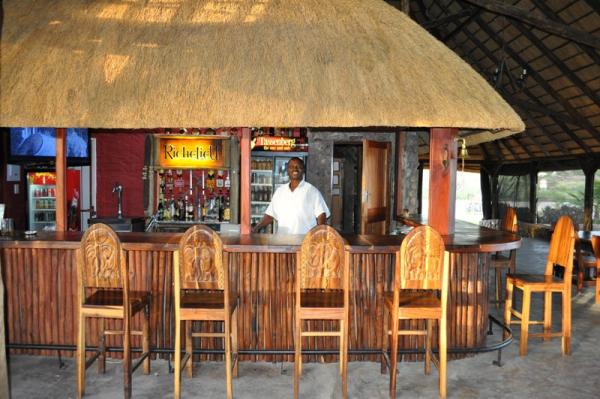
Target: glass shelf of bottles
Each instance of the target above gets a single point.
(200, 195)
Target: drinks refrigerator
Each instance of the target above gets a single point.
(269, 172)
(41, 200)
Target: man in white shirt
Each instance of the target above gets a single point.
(297, 206)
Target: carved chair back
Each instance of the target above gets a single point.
(562, 245)
(201, 260)
(510, 222)
(420, 263)
(101, 260)
(322, 260)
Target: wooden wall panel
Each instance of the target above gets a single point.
(41, 302)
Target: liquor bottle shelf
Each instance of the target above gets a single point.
(269, 171)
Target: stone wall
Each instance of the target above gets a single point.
(408, 183)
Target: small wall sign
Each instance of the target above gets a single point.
(191, 152)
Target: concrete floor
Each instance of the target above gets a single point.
(543, 373)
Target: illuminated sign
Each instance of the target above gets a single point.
(191, 152)
(275, 143)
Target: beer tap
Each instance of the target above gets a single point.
(119, 190)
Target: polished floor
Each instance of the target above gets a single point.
(543, 373)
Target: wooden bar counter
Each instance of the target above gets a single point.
(40, 278)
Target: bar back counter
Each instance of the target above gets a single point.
(40, 277)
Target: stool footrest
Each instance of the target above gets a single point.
(321, 334)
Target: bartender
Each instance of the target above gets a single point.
(297, 206)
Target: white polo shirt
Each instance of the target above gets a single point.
(296, 211)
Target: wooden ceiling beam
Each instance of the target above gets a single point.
(521, 144)
(550, 14)
(448, 18)
(558, 63)
(461, 26)
(486, 154)
(514, 12)
(511, 100)
(542, 82)
(509, 148)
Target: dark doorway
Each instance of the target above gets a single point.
(346, 187)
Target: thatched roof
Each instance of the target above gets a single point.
(162, 63)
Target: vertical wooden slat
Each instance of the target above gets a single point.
(61, 179)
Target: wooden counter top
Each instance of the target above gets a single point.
(467, 238)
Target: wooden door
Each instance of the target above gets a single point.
(375, 197)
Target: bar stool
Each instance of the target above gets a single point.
(560, 253)
(421, 264)
(203, 292)
(103, 287)
(322, 287)
(502, 261)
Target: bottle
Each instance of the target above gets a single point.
(220, 181)
(227, 182)
(227, 211)
(190, 211)
(221, 209)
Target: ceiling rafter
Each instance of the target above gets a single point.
(550, 14)
(558, 63)
(544, 24)
(541, 82)
(509, 98)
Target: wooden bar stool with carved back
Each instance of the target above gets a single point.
(322, 293)
(103, 287)
(203, 292)
(421, 272)
(562, 245)
(502, 261)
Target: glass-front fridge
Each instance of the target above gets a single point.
(269, 172)
(41, 200)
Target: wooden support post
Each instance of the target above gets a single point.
(533, 179)
(61, 179)
(588, 199)
(245, 155)
(442, 179)
(486, 193)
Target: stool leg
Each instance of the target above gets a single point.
(101, 347)
(394, 354)
(566, 322)
(81, 356)
(146, 338)
(234, 341)
(508, 307)
(547, 314)
(297, 356)
(177, 360)
(345, 357)
(127, 358)
(385, 340)
(525, 322)
(597, 284)
(443, 348)
(341, 347)
(428, 339)
(189, 350)
(498, 275)
(228, 357)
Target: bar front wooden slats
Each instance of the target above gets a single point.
(41, 279)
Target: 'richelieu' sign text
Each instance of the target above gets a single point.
(191, 152)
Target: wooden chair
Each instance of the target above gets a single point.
(596, 248)
(203, 292)
(584, 263)
(421, 264)
(103, 287)
(322, 289)
(560, 253)
(502, 261)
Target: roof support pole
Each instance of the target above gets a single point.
(589, 169)
(486, 192)
(61, 179)
(533, 180)
(245, 155)
(442, 179)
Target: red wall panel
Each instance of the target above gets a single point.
(120, 158)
